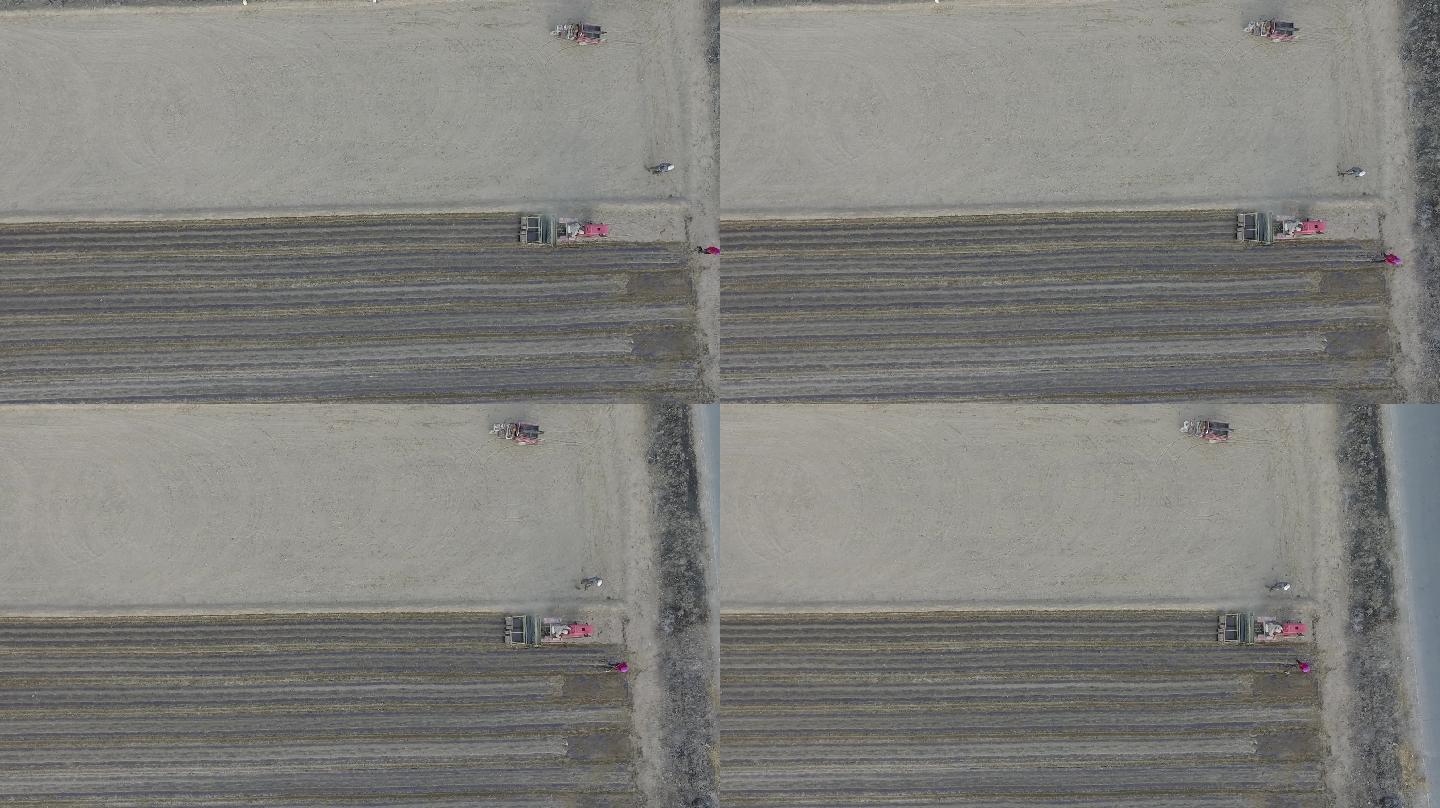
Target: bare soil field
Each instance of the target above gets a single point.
(1142, 305)
(440, 307)
(978, 105)
(293, 507)
(298, 106)
(272, 710)
(1138, 709)
(885, 507)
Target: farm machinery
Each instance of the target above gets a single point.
(533, 631)
(542, 229)
(1267, 228)
(1208, 431)
(581, 33)
(1273, 30)
(1244, 628)
(516, 432)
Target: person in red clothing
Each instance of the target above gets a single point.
(1303, 665)
(1392, 259)
(711, 250)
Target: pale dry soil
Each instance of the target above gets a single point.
(973, 105)
(281, 106)
(297, 507)
(866, 507)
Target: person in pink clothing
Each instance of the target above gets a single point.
(1392, 259)
(1303, 665)
(711, 250)
(620, 667)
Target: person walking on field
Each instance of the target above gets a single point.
(1302, 665)
(593, 581)
(1357, 172)
(619, 667)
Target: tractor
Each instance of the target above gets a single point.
(544, 230)
(1244, 628)
(1266, 228)
(516, 432)
(581, 33)
(1273, 30)
(1208, 431)
(533, 631)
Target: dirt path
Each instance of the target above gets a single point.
(1418, 25)
(678, 698)
(1370, 723)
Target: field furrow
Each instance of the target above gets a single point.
(304, 708)
(395, 307)
(1011, 708)
(1138, 306)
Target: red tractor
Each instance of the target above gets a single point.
(516, 432)
(1273, 30)
(1208, 431)
(1267, 228)
(1245, 628)
(581, 33)
(533, 631)
(544, 230)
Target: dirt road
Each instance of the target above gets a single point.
(445, 307)
(1115, 306)
(1011, 708)
(281, 709)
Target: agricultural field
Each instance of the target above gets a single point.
(404, 709)
(864, 507)
(317, 107)
(1164, 118)
(219, 116)
(298, 604)
(123, 510)
(1139, 305)
(877, 108)
(423, 307)
(1125, 709)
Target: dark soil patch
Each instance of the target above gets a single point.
(1421, 54)
(1376, 727)
(600, 746)
(689, 670)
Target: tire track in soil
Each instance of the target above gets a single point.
(447, 307)
(1015, 709)
(1139, 305)
(305, 709)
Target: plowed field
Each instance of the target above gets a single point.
(386, 307)
(306, 710)
(1126, 306)
(1011, 709)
